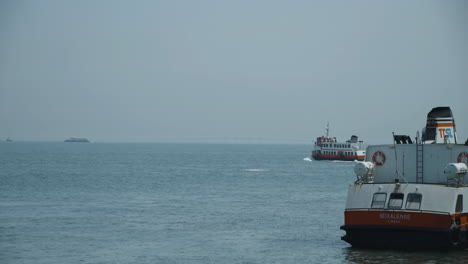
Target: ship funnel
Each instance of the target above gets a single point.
(440, 127)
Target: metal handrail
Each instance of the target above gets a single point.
(398, 210)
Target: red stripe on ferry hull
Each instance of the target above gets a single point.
(336, 157)
(398, 218)
(401, 229)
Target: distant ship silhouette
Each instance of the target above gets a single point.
(72, 139)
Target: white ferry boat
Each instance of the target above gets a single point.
(412, 195)
(327, 148)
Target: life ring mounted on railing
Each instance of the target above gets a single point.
(378, 158)
(462, 158)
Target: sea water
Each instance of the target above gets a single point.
(178, 203)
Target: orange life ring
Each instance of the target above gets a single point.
(378, 158)
(462, 158)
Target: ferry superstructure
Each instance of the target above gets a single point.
(411, 195)
(328, 148)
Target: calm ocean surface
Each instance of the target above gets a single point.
(178, 203)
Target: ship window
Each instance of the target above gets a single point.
(395, 201)
(459, 205)
(378, 201)
(413, 201)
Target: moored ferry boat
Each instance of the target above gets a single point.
(412, 195)
(327, 148)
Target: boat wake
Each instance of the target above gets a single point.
(256, 170)
(307, 159)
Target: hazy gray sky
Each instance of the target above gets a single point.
(258, 70)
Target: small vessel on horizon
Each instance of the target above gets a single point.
(73, 139)
(412, 195)
(8, 139)
(327, 148)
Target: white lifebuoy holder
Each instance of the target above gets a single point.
(378, 158)
(462, 158)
